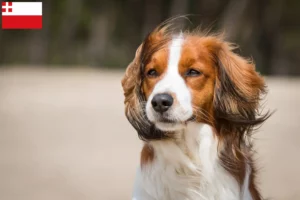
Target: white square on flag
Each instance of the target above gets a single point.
(22, 15)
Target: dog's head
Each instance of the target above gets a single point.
(183, 77)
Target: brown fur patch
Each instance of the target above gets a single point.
(158, 62)
(147, 155)
(196, 56)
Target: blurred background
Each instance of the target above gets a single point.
(63, 133)
(105, 33)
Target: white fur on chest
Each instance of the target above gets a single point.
(186, 170)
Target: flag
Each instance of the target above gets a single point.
(22, 15)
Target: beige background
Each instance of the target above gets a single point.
(63, 136)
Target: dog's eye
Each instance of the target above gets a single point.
(152, 73)
(193, 72)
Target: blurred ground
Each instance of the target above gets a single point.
(63, 136)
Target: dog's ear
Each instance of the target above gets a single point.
(131, 84)
(135, 101)
(238, 90)
(131, 77)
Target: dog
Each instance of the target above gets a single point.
(194, 103)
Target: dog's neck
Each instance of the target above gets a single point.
(188, 141)
(187, 165)
(192, 150)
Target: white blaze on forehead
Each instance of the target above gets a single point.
(173, 83)
(175, 54)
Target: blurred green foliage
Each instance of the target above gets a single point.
(105, 33)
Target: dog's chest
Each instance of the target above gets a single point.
(173, 175)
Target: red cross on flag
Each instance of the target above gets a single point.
(22, 15)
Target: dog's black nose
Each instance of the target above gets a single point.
(162, 102)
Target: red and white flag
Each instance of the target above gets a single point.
(22, 15)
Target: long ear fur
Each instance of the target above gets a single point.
(238, 91)
(135, 100)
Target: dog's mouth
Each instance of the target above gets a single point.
(167, 120)
(166, 124)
